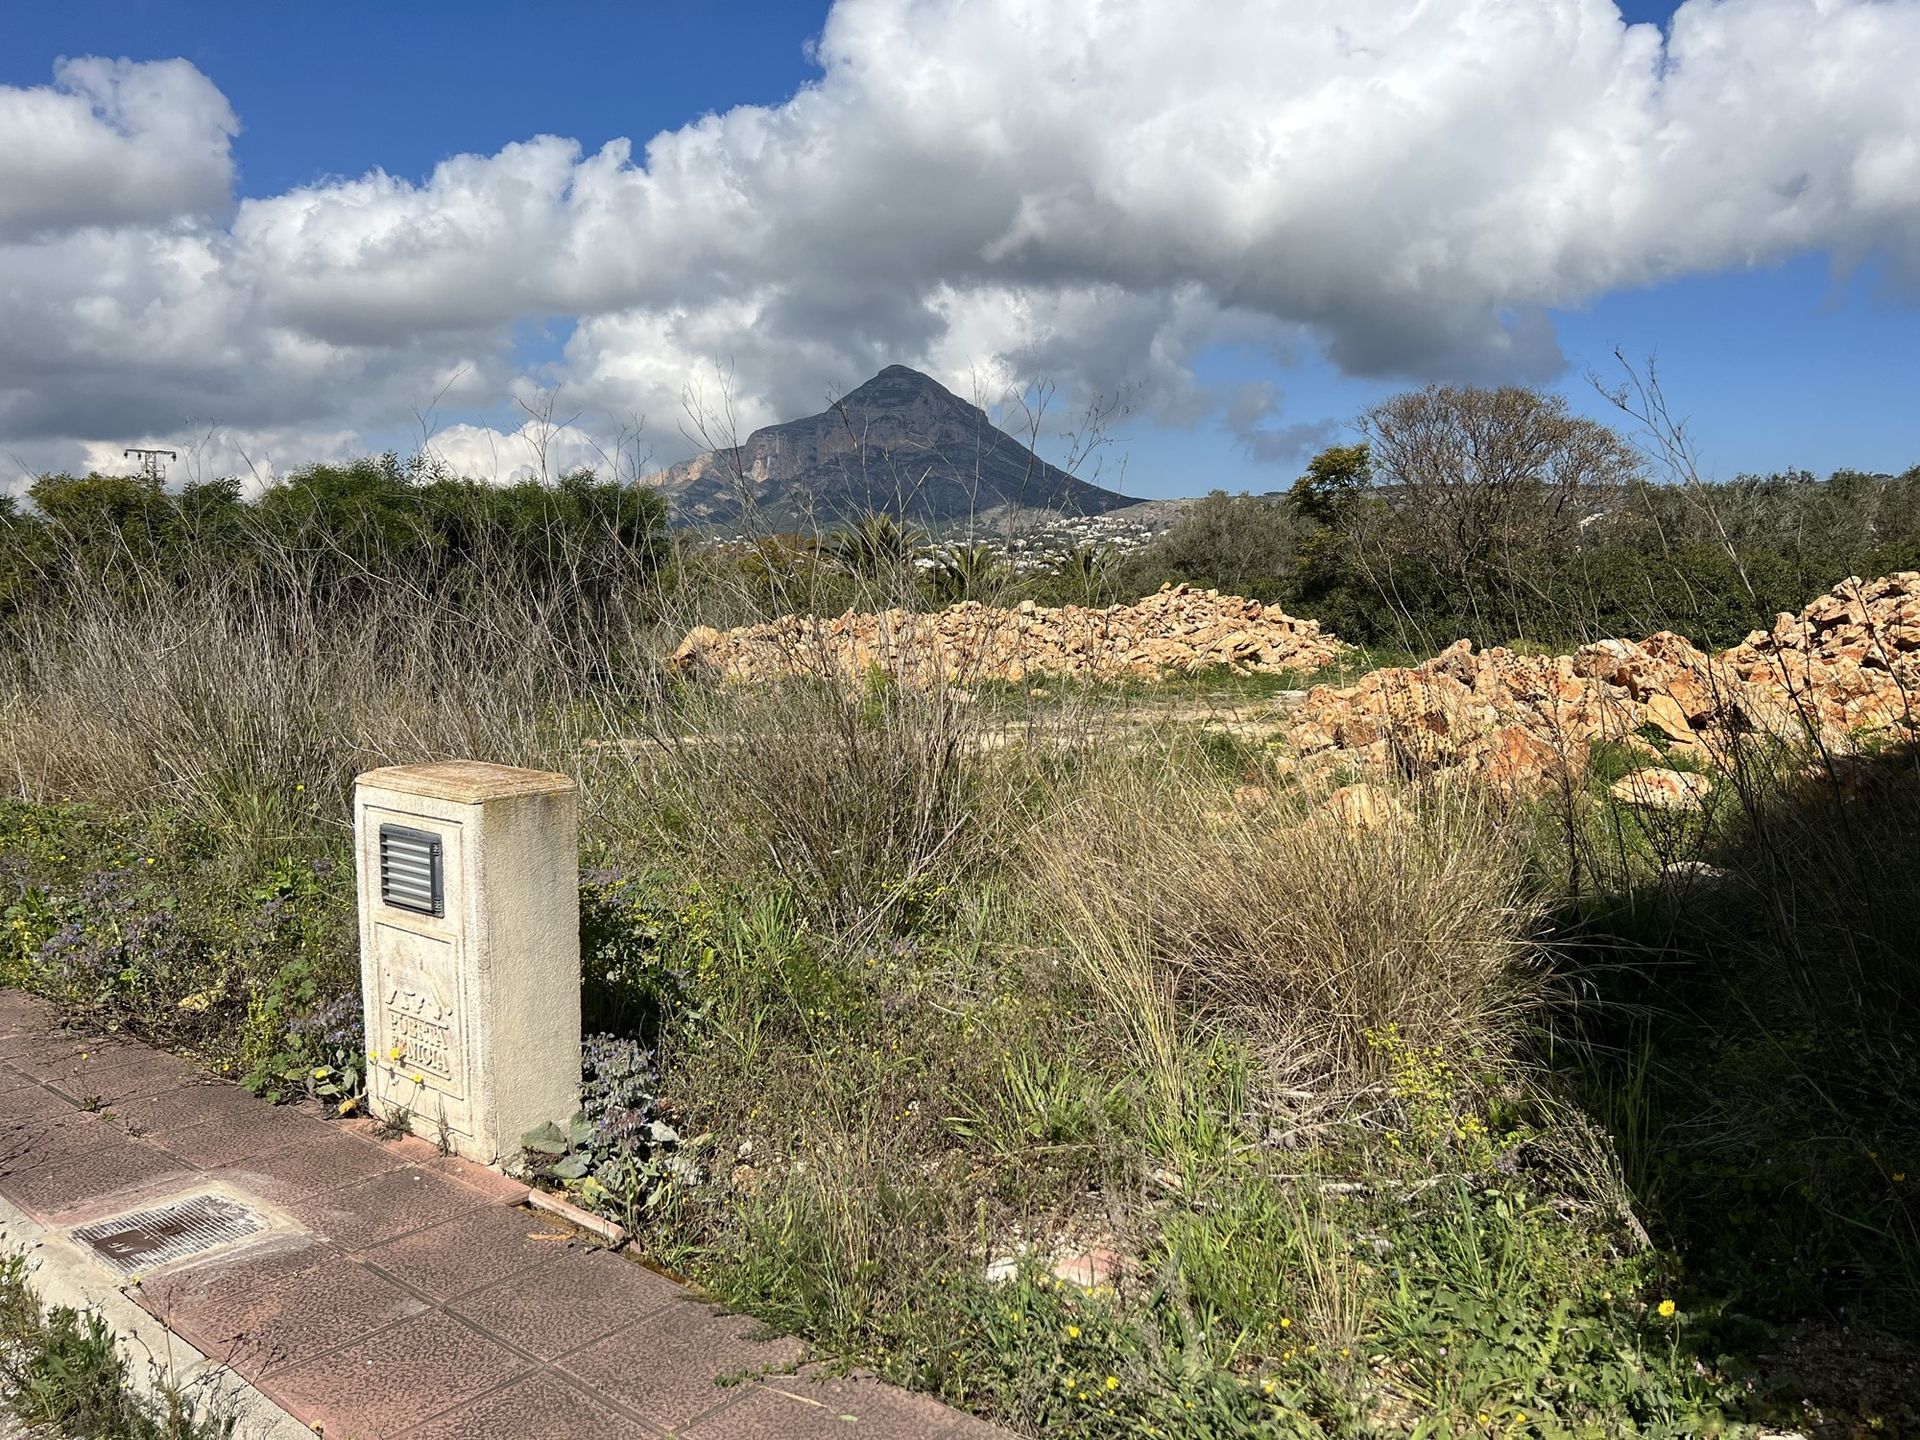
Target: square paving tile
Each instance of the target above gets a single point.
(89, 1180)
(390, 1382)
(562, 1306)
(797, 1408)
(31, 1105)
(114, 1076)
(95, 1054)
(184, 1291)
(182, 1106)
(43, 1142)
(815, 1404)
(412, 1148)
(386, 1206)
(540, 1405)
(666, 1367)
(264, 1311)
(36, 1044)
(473, 1250)
(316, 1164)
(495, 1186)
(238, 1129)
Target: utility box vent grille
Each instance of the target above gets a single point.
(148, 1239)
(410, 870)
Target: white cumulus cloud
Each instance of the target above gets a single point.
(1098, 190)
(112, 143)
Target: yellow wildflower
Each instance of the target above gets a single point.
(1666, 1309)
(1113, 1382)
(1073, 1332)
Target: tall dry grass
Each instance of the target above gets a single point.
(224, 699)
(1306, 931)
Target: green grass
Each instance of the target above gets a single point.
(1218, 685)
(62, 1370)
(878, 1116)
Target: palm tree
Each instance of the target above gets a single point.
(969, 572)
(876, 546)
(1086, 569)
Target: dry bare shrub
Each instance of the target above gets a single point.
(853, 799)
(1306, 929)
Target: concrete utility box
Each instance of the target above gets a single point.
(470, 950)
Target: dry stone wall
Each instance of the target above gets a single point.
(1177, 630)
(1844, 669)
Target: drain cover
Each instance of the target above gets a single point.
(147, 1239)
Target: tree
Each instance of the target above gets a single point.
(969, 572)
(876, 546)
(1336, 478)
(1238, 543)
(1482, 478)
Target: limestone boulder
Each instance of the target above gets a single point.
(1663, 789)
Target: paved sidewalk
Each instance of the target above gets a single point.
(392, 1291)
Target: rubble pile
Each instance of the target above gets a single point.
(1844, 668)
(1177, 630)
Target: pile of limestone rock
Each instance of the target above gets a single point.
(1845, 669)
(1178, 630)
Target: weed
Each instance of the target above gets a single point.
(61, 1368)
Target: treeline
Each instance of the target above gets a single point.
(1497, 515)
(1494, 514)
(332, 532)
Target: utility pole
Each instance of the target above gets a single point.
(151, 468)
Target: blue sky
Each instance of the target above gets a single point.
(1780, 358)
(345, 86)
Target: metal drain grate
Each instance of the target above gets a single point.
(147, 1239)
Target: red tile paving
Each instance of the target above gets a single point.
(313, 1166)
(37, 1143)
(77, 1183)
(386, 1206)
(538, 1404)
(267, 1314)
(404, 1293)
(386, 1383)
(672, 1365)
(567, 1304)
(106, 1077)
(474, 1250)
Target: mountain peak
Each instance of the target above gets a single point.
(894, 385)
(901, 443)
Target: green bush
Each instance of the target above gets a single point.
(153, 930)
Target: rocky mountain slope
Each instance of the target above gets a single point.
(902, 443)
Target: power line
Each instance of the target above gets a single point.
(151, 466)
